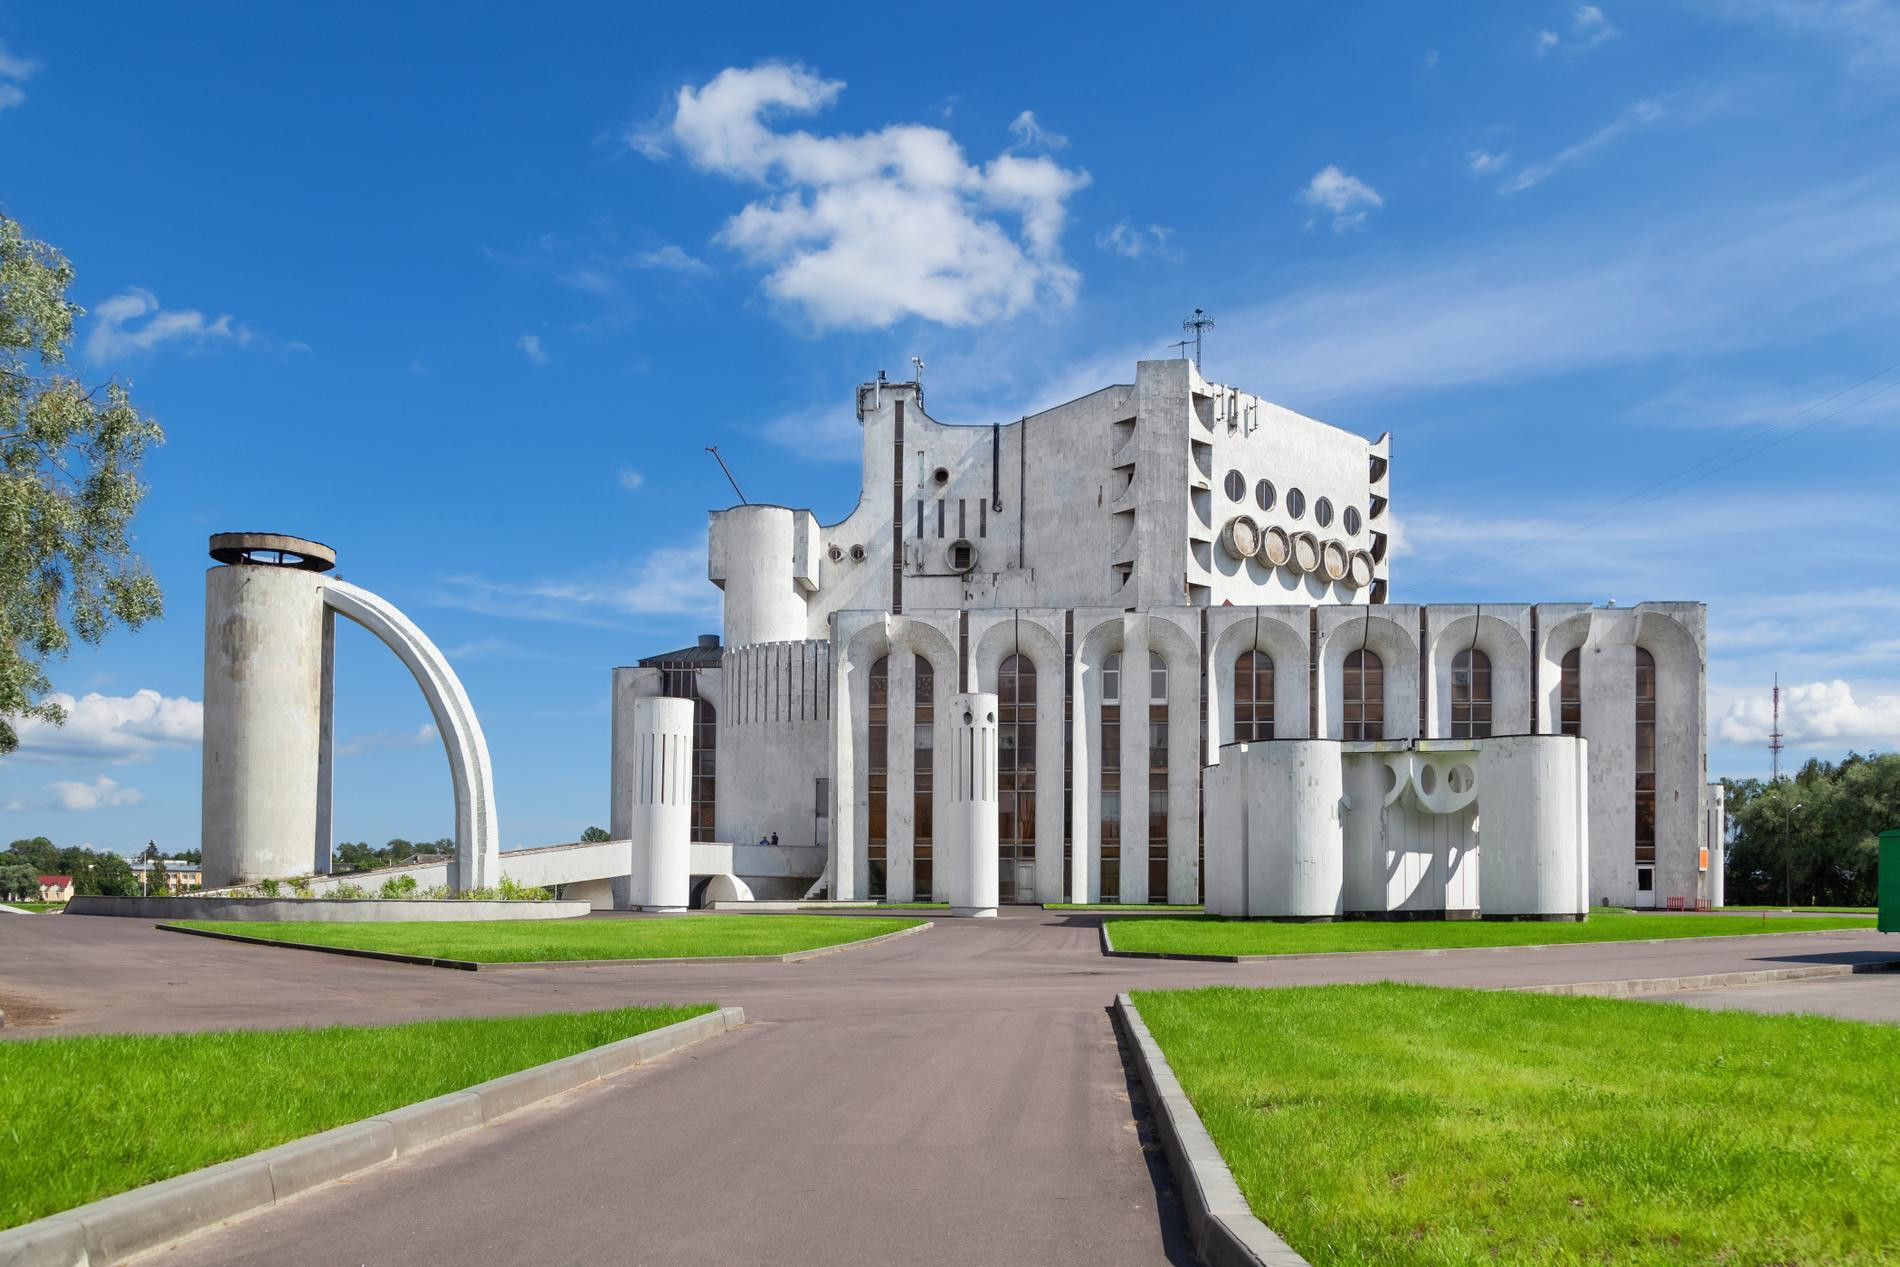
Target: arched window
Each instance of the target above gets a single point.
(924, 781)
(1157, 778)
(1016, 778)
(705, 761)
(1645, 756)
(878, 770)
(1253, 697)
(1570, 694)
(1363, 695)
(1471, 695)
(1111, 859)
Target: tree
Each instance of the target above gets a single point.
(1811, 839)
(150, 852)
(69, 484)
(157, 881)
(37, 852)
(593, 836)
(19, 882)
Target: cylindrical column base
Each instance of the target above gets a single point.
(659, 817)
(970, 846)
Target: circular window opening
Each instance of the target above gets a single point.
(857, 554)
(1236, 486)
(1352, 521)
(1263, 494)
(1428, 780)
(1323, 512)
(961, 556)
(1460, 779)
(1295, 503)
(836, 553)
(941, 475)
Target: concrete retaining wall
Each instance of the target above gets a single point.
(319, 910)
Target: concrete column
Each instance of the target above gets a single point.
(753, 553)
(1135, 682)
(1274, 843)
(900, 807)
(1533, 826)
(661, 809)
(263, 721)
(969, 847)
(629, 685)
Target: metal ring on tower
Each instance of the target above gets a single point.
(1241, 536)
(1359, 571)
(1305, 552)
(1276, 547)
(1333, 561)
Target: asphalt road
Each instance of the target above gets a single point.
(956, 1097)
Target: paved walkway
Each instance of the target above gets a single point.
(957, 1097)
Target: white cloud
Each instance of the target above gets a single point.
(14, 71)
(133, 323)
(1756, 403)
(1485, 163)
(112, 727)
(826, 433)
(1816, 715)
(1130, 242)
(1867, 32)
(862, 230)
(1030, 134)
(1333, 190)
(668, 258)
(530, 345)
(1589, 27)
(667, 582)
(1642, 114)
(421, 737)
(101, 793)
(631, 480)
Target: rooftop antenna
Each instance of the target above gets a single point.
(1181, 347)
(917, 367)
(1197, 324)
(714, 450)
(1774, 736)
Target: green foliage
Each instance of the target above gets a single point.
(69, 485)
(533, 940)
(270, 888)
(1812, 840)
(93, 872)
(157, 880)
(302, 887)
(19, 881)
(594, 836)
(356, 855)
(1415, 1126)
(487, 893)
(512, 891)
(398, 886)
(133, 1109)
(347, 891)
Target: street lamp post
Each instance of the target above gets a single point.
(1787, 852)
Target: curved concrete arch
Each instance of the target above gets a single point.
(1510, 657)
(1559, 640)
(1093, 646)
(851, 724)
(1397, 649)
(477, 831)
(1027, 636)
(1285, 644)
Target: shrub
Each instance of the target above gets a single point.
(269, 888)
(348, 891)
(514, 891)
(435, 891)
(302, 887)
(477, 895)
(397, 886)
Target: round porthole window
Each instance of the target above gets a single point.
(1236, 486)
(1295, 502)
(941, 475)
(961, 556)
(1263, 494)
(1323, 512)
(857, 554)
(1352, 521)
(836, 553)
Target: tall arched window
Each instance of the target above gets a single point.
(1157, 778)
(1016, 778)
(705, 761)
(925, 717)
(1645, 756)
(1471, 695)
(1570, 694)
(1111, 859)
(1253, 697)
(878, 768)
(1363, 696)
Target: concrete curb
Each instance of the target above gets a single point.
(1639, 986)
(116, 1228)
(1189, 957)
(470, 965)
(1225, 1231)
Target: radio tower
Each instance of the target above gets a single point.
(1774, 735)
(1194, 325)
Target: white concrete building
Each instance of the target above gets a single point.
(1141, 578)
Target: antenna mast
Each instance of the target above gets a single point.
(1774, 735)
(714, 450)
(1195, 325)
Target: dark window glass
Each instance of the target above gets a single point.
(1645, 756)
(1363, 695)
(1157, 778)
(1253, 697)
(1263, 494)
(1111, 768)
(924, 779)
(1352, 521)
(1471, 695)
(1295, 502)
(1235, 486)
(1323, 512)
(1015, 772)
(1570, 694)
(878, 767)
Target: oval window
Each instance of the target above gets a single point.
(1263, 494)
(1323, 512)
(1236, 485)
(1295, 502)
(1352, 521)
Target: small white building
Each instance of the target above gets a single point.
(1143, 577)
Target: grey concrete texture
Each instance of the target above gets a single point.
(318, 910)
(118, 1228)
(958, 1098)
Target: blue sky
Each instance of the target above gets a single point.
(465, 291)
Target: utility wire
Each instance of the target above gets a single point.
(1631, 501)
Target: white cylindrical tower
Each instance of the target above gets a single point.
(659, 817)
(754, 553)
(971, 811)
(265, 707)
(1533, 827)
(1275, 846)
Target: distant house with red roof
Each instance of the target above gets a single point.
(56, 888)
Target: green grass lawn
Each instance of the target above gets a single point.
(1115, 906)
(85, 1117)
(38, 906)
(1839, 910)
(531, 940)
(1212, 936)
(1411, 1125)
